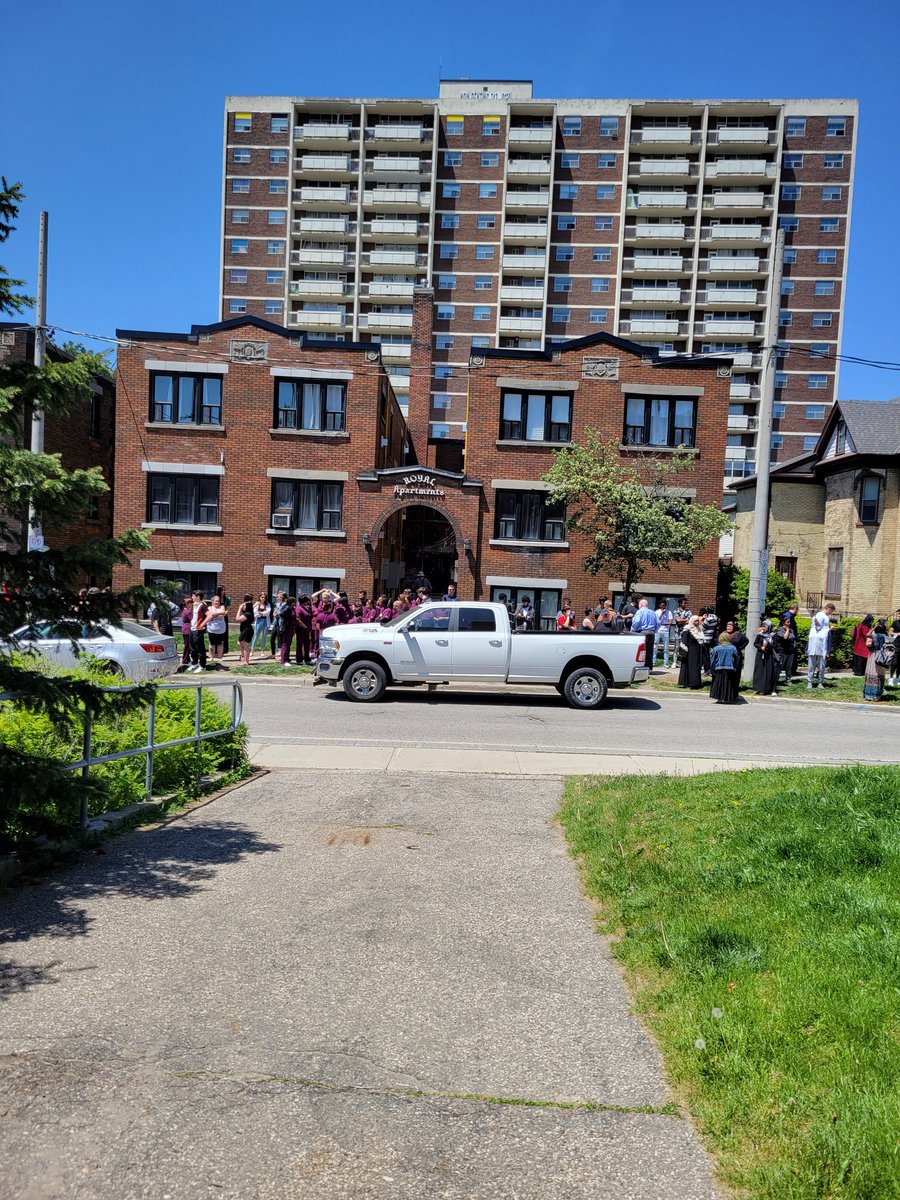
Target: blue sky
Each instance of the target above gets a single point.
(113, 116)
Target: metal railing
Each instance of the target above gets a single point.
(152, 747)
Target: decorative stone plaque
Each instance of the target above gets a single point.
(599, 368)
(7, 338)
(249, 351)
(723, 372)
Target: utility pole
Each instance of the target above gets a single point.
(759, 555)
(35, 536)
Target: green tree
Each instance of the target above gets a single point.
(780, 593)
(632, 509)
(46, 585)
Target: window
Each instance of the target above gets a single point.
(869, 499)
(835, 127)
(793, 162)
(826, 257)
(483, 283)
(481, 312)
(186, 399)
(490, 158)
(834, 160)
(659, 421)
(277, 187)
(790, 256)
(529, 517)
(237, 306)
(272, 308)
(787, 287)
(777, 441)
(571, 126)
(278, 156)
(789, 224)
(829, 225)
(785, 318)
(475, 620)
(276, 216)
(183, 499)
(310, 405)
(448, 250)
(824, 287)
(442, 371)
(570, 161)
(786, 567)
(490, 127)
(240, 185)
(278, 123)
(598, 316)
(479, 341)
(778, 411)
(781, 380)
(446, 312)
(568, 191)
(818, 350)
(544, 601)
(236, 276)
(482, 253)
(821, 321)
(560, 316)
(600, 284)
(485, 221)
(832, 193)
(185, 582)
(834, 578)
(310, 505)
(243, 122)
(841, 442)
(810, 442)
(443, 341)
(449, 221)
(96, 416)
(239, 245)
(790, 191)
(450, 191)
(241, 154)
(816, 383)
(605, 191)
(440, 401)
(452, 158)
(487, 191)
(565, 222)
(453, 126)
(815, 412)
(240, 216)
(564, 253)
(446, 283)
(561, 283)
(536, 417)
(795, 127)
(274, 277)
(609, 126)
(436, 430)
(606, 160)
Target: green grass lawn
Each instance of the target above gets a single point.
(756, 916)
(270, 668)
(845, 687)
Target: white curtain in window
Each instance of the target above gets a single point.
(534, 430)
(310, 417)
(309, 507)
(659, 422)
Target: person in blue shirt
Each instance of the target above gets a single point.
(724, 661)
(451, 592)
(646, 621)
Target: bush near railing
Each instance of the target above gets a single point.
(115, 784)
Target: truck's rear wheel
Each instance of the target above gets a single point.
(365, 680)
(586, 687)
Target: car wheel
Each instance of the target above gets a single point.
(113, 669)
(365, 681)
(585, 688)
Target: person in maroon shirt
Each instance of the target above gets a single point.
(860, 646)
(187, 612)
(303, 616)
(324, 618)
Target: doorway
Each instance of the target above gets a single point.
(427, 543)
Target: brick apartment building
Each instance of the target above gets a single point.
(538, 221)
(83, 438)
(265, 460)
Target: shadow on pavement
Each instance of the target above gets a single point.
(498, 699)
(170, 862)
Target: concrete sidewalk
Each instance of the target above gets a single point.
(328, 985)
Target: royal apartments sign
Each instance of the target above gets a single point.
(418, 486)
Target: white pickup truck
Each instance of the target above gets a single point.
(467, 640)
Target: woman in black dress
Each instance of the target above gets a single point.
(690, 652)
(784, 645)
(765, 668)
(740, 641)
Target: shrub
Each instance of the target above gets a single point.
(780, 594)
(841, 640)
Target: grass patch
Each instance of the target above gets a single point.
(757, 915)
(846, 688)
(270, 668)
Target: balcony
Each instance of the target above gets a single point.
(736, 136)
(665, 200)
(744, 359)
(377, 320)
(520, 136)
(651, 295)
(338, 163)
(663, 166)
(637, 326)
(668, 230)
(736, 297)
(528, 167)
(395, 229)
(399, 133)
(322, 131)
(744, 391)
(741, 424)
(716, 231)
(324, 195)
(528, 263)
(539, 198)
(738, 264)
(525, 231)
(530, 295)
(665, 135)
(738, 200)
(398, 164)
(661, 264)
(396, 352)
(318, 320)
(741, 167)
(336, 257)
(520, 324)
(326, 225)
(380, 289)
(739, 327)
(320, 287)
(394, 258)
(386, 197)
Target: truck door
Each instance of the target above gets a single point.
(480, 649)
(422, 646)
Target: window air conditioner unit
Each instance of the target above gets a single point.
(281, 520)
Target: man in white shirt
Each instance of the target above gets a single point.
(665, 624)
(817, 647)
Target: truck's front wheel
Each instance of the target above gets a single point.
(365, 680)
(586, 687)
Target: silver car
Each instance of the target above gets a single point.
(130, 652)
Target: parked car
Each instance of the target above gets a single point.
(439, 642)
(130, 651)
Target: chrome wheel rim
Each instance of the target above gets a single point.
(364, 683)
(586, 690)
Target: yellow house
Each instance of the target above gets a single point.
(834, 513)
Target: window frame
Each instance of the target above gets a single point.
(198, 484)
(511, 516)
(330, 420)
(326, 521)
(508, 424)
(671, 442)
(870, 516)
(834, 572)
(198, 404)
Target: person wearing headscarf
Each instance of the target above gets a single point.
(739, 640)
(873, 682)
(724, 662)
(765, 667)
(861, 644)
(690, 653)
(784, 645)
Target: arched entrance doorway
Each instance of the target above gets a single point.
(427, 544)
